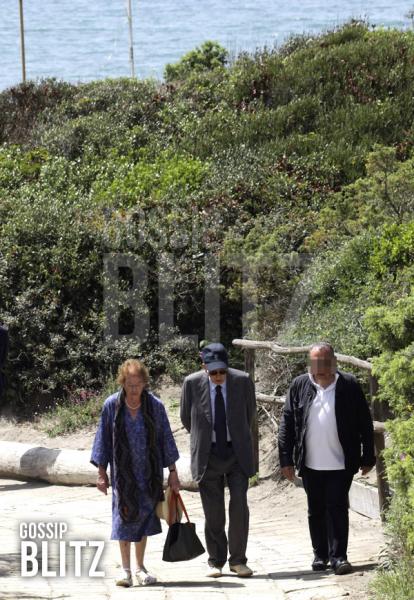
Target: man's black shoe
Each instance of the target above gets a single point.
(320, 564)
(342, 567)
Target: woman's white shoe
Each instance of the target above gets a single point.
(124, 578)
(145, 578)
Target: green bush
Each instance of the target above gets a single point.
(133, 184)
(81, 409)
(22, 108)
(277, 158)
(395, 584)
(209, 56)
(390, 328)
(394, 579)
(333, 295)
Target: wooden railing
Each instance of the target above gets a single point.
(250, 347)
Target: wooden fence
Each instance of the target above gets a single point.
(250, 347)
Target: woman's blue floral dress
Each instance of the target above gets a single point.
(102, 454)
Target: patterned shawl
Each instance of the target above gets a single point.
(125, 483)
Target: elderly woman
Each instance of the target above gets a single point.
(134, 437)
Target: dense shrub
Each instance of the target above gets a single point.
(264, 163)
(390, 325)
(22, 106)
(209, 56)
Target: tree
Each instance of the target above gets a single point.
(207, 57)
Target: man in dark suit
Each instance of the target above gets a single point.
(218, 406)
(4, 343)
(326, 431)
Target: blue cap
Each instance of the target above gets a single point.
(214, 356)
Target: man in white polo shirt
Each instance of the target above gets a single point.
(326, 430)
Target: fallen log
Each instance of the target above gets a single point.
(64, 466)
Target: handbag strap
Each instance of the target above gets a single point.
(172, 508)
(175, 498)
(180, 500)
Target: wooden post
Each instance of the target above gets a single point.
(249, 360)
(22, 49)
(377, 410)
(131, 40)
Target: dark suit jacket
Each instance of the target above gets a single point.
(196, 418)
(353, 420)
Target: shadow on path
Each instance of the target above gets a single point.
(29, 596)
(201, 584)
(25, 485)
(314, 575)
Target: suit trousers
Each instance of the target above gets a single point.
(211, 489)
(327, 493)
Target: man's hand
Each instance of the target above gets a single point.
(173, 481)
(102, 482)
(289, 472)
(365, 470)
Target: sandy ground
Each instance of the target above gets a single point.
(270, 495)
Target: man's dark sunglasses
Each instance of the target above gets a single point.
(218, 372)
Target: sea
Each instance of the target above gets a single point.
(83, 40)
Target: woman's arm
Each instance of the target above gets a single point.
(173, 480)
(102, 481)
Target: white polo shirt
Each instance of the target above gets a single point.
(323, 448)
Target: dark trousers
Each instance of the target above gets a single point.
(212, 498)
(327, 493)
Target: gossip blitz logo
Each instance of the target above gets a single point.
(45, 551)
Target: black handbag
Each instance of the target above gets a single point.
(182, 542)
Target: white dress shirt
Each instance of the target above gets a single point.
(323, 448)
(213, 406)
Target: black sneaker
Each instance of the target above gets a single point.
(342, 567)
(319, 564)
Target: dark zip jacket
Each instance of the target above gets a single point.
(353, 420)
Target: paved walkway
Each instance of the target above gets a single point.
(279, 550)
